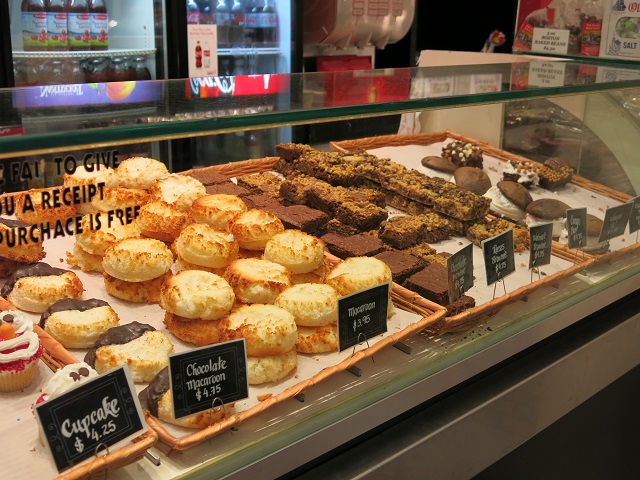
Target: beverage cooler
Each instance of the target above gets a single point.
(75, 57)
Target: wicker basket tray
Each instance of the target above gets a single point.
(424, 314)
(580, 260)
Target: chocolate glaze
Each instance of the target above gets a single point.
(13, 223)
(71, 304)
(117, 336)
(39, 269)
(150, 396)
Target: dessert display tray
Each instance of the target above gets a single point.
(412, 314)
(409, 149)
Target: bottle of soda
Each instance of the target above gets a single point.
(56, 24)
(78, 25)
(198, 55)
(236, 31)
(267, 25)
(250, 21)
(223, 21)
(99, 31)
(270, 19)
(193, 13)
(34, 25)
(206, 55)
(207, 14)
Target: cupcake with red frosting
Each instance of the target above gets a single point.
(20, 350)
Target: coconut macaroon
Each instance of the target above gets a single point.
(359, 273)
(196, 294)
(78, 257)
(256, 280)
(253, 228)
(315, 310)
(136, 268)
(141, 347)
(35, 287)
(140, 172)
(161, 221)
(95, 240)
(177, 190)
(270, 335)
(201, 246)
(296, 250)
(156, 398)
(217, 210)
(311, 304)
(78, 323)
(33, 211)
(119, 198)
(12, 248)
(90, 176)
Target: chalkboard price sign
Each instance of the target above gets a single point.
(498, 256)
(208, 377)
(97, 414)
(362, 315)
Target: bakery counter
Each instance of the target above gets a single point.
(344, 407)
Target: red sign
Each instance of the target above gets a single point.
(242, 85)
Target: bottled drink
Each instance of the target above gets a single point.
(206, 55)
(79, 25)
(236, 31)
(250, 21)
(207, 14)
(34, 25)
(193, 13)
(140, 67)
(223, 21)
(99, 31)
(198, 55)
(591, 28)
(57, 24)
(267, 25)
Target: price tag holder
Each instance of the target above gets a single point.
(576, 227)
(207, 375)
(615, 221)
(498, 256)
(460, 272)
(541, 237)
(362, 315)
(99, 413)
(634, 217)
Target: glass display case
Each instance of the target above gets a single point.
(521, 107)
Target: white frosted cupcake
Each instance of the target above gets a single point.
(20, 350)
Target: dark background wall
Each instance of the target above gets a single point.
(459, 26)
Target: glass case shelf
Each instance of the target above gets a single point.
(294, 99)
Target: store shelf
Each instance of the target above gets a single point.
(240, 51)
(21, 54)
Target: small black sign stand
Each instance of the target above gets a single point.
(498, 258)
(94, 416)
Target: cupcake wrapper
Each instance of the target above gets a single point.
(12, 381)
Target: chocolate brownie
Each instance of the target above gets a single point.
(301, 217)
(294, 189)
(402, 265)
(360, 245)
(207, 176)
(460, 305)
(339, 228)
(265, 182)
(291, 151)
(227, 188)
(487, 229)
(361, 215)
(260, 201)
(403, 231)
(432, 283)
